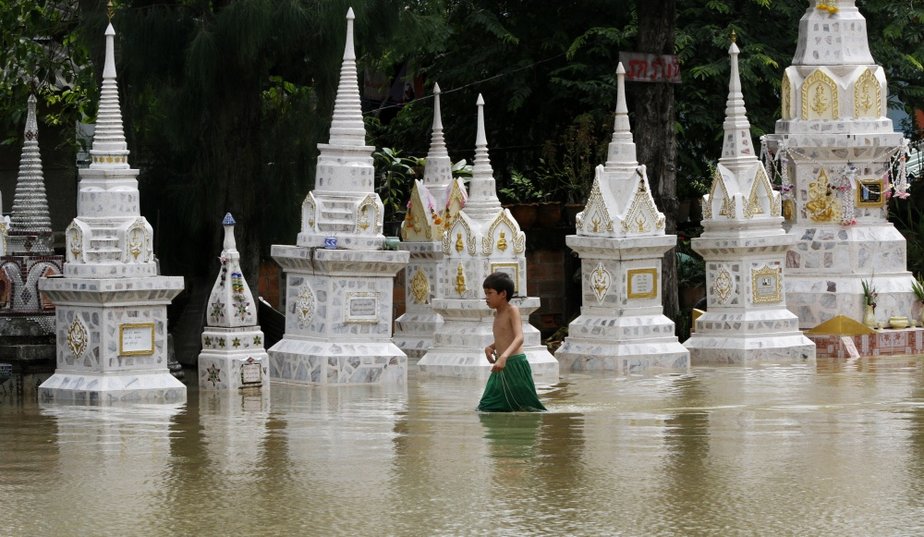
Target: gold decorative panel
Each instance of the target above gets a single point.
(600, 281)
(786, 97)
(766, 285)
(420, 287)
(819, 97)
(822, 204)
(723, 285)
(867, 96)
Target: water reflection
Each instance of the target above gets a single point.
(834, 448)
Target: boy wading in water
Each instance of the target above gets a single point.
(510, 387)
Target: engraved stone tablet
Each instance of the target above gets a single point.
(362, 308)
(251, 372)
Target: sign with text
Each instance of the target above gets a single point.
(643, 67)
(136, 339)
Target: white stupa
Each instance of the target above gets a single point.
(743, 245)
(484, 239)
(840, 160)
(111, 303)
(339, 280)
(621, 241)
(233, 356)
(434, 205)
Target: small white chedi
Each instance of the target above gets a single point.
(743, 245)
(111, 304)
(484, 239)
(621, 241)
(233, 355)
(840, 160)
(339, 280)
(434, 205)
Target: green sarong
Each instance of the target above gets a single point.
(511, 389)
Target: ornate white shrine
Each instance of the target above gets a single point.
(232, 356)
(111, 304)
(434, 206)
(836, 151)
(743, 245)
(27, 316)
(484, 238)
(339, 280)
(621, 241)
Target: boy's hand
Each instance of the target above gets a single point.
(489, 353)
(499, 365)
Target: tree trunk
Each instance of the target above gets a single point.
(653, 104)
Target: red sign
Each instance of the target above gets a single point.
(642, 67)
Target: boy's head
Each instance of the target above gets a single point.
(500, 282)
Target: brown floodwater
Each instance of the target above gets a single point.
(833, 449)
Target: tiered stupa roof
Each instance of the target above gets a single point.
(30, 221)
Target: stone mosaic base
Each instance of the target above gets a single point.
(414, 332)
(222, 371)
(627, 344)
(313, 361)
(124, 387)
(882, 343)
(707, 349)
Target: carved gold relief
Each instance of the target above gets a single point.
(642, 213)
(459, 244)
(722, 285)
(420, 287)
(502, 242)
(135, 241)
(786, 98)
(460, 280)
(503, 219)
(819, 97)
(766, 285)
(867, 96)
(600, 282)
(74, 241)
(77, 338)
(595, 211)
(304, 306)
(822, 204)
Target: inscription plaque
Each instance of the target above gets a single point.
(362, 308)
(136, 339)
(642, 283)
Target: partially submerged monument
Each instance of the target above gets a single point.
(111, 304)
(233, 356)
(840, 161)
(743, 245)
(339, 279)
(434, 206)
(621, 241)
(484, 238)
(27, 316)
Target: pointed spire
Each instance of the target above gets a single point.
(482, 194)
(438, 169)
(621, 152)
(229, 245)
(30, 215)
(109, 148)
(738, 147)
(347, 126)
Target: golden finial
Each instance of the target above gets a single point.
(734, 37)
(110, 10)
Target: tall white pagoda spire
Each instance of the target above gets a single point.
(347, 126)
(482, 201)
(621, 152)
(30, 219)
(438, 170)
(738, 149)
(109, 149)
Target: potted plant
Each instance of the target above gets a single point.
(918, 287)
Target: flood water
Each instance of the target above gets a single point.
(833, 449)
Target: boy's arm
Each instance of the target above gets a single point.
(489, 353)
(516, 344)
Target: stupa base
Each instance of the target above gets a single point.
(471, 363)
(311, 361)
(730, 349)
(106, 389)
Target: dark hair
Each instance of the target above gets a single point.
(499, 281)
